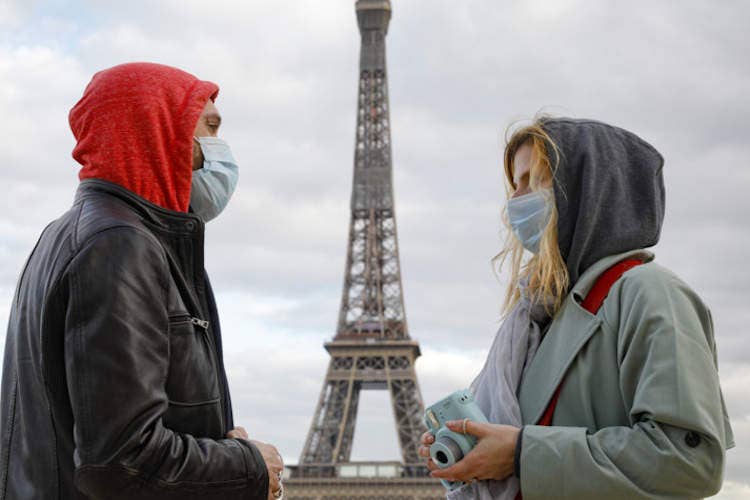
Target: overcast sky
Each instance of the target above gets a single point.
(676, 73)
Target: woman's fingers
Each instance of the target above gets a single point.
(457, 472)
(477, 429)
(471, 467)
(424, 451)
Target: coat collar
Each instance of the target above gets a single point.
(171, 221)
(562, 343)
(590, 275)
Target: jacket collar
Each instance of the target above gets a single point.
(560, 347)
(169, 220)
(590, 275)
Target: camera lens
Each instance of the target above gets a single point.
(446, 452)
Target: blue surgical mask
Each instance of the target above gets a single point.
(528, 216)
(213, 185)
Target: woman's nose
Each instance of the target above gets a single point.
(520, 191)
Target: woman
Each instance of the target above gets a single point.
(602, 381)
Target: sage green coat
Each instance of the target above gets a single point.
(641, 413)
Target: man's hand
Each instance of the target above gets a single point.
(491, 458)
(238, 432)
(274, 462)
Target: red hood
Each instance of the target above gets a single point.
(134, 126)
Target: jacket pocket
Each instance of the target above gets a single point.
(192, 381)
(192, 377)
(201, 420)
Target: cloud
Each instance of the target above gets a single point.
(734, 491)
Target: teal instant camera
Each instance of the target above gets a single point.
(450, 447)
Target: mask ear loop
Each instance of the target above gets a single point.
(199, 169)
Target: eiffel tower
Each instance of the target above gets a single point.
(372, 348)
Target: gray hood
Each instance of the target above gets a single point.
(609, 191)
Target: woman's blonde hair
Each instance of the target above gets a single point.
(545, 274)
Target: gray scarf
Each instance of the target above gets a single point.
(495, 388)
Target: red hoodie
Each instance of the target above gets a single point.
(134, 126)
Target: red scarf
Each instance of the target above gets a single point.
(134, 126)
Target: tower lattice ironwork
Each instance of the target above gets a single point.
(372, 348)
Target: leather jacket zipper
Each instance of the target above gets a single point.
(186, 318)
(203, 323)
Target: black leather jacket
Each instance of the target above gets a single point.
(113, 381)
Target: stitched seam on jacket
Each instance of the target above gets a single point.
(243, 452)
(160, 483)
(261, 466)
(44, 375)
(77, 343)
(76, 224)
(11, 420)
(26, 264)
(190, 405)
(152, 445)
(54, 446)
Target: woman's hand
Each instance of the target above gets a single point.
(424, 451)
(492, 458)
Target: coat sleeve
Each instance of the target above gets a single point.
(675, 445)
(117, 358)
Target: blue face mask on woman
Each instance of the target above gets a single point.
(528, 216)
(213, 185)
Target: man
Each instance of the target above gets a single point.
(113, 381)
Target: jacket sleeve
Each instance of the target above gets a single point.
(675, 445)
(117, 358)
